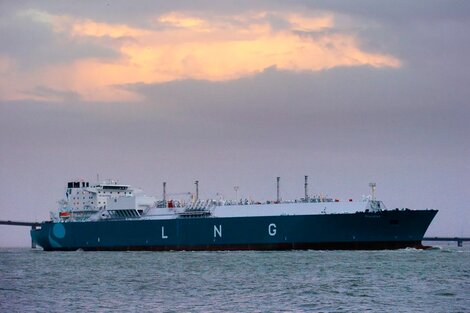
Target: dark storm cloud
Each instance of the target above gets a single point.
(431, 35)
(343, 107)
(134, 13)
(397, 12)
(342, 110)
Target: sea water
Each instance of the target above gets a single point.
(436, 280)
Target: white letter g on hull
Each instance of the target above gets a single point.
(272, 229)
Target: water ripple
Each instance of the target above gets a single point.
(297, 281)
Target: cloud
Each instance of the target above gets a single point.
(53, 95)
(397, 12)
(31, 46)
(177, 19)
(191, 45)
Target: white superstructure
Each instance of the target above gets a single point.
(84, 201)
(110, 200)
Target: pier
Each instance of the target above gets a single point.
(33, 226)
(459, 240)
(16, 223)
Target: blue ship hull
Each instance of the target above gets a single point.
(357, 231)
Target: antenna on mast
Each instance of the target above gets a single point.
(236, 188)
(372, 186)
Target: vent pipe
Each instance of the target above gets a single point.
(306, 188)
(372, 187)
(278, 199)
(164, 192)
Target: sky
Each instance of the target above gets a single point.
(236, 93)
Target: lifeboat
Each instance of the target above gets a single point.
(64, 215)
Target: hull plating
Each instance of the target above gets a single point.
(359, 231)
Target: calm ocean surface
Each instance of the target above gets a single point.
(407, 280)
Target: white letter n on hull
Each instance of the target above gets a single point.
(218, 231)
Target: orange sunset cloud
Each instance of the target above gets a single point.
(178, 46)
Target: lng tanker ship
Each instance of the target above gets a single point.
(112, 216)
